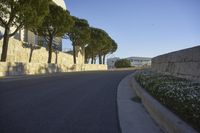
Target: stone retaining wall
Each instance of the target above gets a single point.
(20, 68)
(18, 57)
(184, 63)
(18, 53)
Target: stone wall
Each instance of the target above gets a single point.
(20, 68)
(17, 53)
(93, 67)
(18, 57)
(184, 63)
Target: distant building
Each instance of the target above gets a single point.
(135, 61)
(139, 61)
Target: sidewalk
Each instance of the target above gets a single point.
(132, 115)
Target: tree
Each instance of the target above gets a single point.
(109, 49)
(104, 45)
(100, 45)
(98, 42)
(88, 54)
(55, 49)
(32, 48)
(19, 14)
(91, 50)
(123, 63)
(79, 35)
(114, 47)
(55, 24)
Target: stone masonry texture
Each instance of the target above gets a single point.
(18, 57)
(184, 63)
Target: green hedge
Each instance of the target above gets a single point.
(181, 96)
(122, 63)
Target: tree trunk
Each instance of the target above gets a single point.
(50, 49)
(86, 58)
(92, 60)
(30, 56)
(74, 53)
(5, 45)
(100, 59)
(104, 59)
(56, 61)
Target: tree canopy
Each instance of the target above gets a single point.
(55, 24)
(79, 34)
(19, 14)
(48, 20)
(101, 44)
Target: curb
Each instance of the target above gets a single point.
(133, 117)
(167, 120)
(26, 77)
(33, 76)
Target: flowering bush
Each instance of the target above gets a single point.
(181, 96)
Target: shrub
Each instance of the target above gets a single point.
(181, 96)
(123, 63)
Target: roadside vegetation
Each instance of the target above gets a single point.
(49, 21)
(18, 14)
(181, 96)
(122, 63)
(100, 45)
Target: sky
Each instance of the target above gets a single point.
(145, 28)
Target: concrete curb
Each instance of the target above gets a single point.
(33, 76)
(167, 120)
(26, 77)
(133, 117)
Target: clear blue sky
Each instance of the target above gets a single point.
(143, 27)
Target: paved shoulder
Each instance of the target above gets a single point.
(132, 115)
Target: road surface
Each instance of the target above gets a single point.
(64, 103)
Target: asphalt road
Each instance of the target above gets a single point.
(63, 103)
